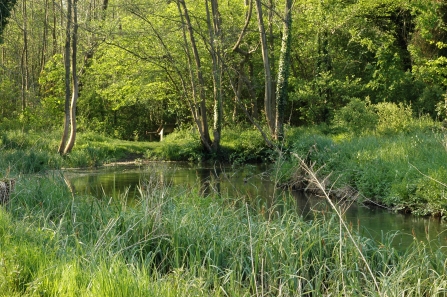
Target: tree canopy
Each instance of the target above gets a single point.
(5, 11)
(213, 63)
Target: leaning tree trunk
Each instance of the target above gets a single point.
(201, 110)
(283, 73)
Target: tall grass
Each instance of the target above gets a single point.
(174, 242)
(403, 170)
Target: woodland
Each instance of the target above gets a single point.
(122, 68)
(346, 99)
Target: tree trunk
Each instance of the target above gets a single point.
(53, 31)
(214, 29)
(200, 110)
(74, 97)
(283, 73)
(268, 102)
(67, 80)
(24, 62)
(44, 38)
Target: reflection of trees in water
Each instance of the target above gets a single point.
(209, 181)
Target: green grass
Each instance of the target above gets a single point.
(239, 145)
(173, 242)
(32, 152)
(402, 170)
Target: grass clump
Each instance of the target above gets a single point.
(182, 145)
(173, 242)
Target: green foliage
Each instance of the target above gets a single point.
(244, 145)
(357, 116)
(393, 118)
(9, 92)
(181, 145)
(31, 151)
(5, 12)
(403, 171)
(239, 145)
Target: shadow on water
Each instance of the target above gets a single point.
(252, 183)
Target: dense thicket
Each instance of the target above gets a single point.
(142, 63)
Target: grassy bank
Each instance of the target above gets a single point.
(176, 243)
(399, 163)
(29, 151)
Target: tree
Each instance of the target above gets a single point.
(198, 108)
(269, 106)
(5, 11)
(215, 33)
(283, 72)
(66, 146)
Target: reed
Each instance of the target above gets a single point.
(174, 242)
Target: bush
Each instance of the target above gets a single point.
(357, 116)
(393, 118)
(243, 145)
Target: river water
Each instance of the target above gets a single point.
(253, 182)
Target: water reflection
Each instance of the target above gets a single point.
(209, 180)
(251, 184)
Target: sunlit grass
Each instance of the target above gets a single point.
(173, 242)
(403, 170)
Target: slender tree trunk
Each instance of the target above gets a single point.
(74, 97)
(202, 116)
(271, 47)
(268, 106)
(240, 83)
(251, 90)
(193, 105)
(53, 31)
(24, 66)
(67, 79)
(214, 29)
(283, 72)
(44, 37)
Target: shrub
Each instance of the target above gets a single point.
(357, 116)
(393, 118)
(243, 145)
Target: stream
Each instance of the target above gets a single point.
(253, 183)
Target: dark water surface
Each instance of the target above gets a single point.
(253, 182)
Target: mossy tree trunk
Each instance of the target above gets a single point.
(283, 73)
